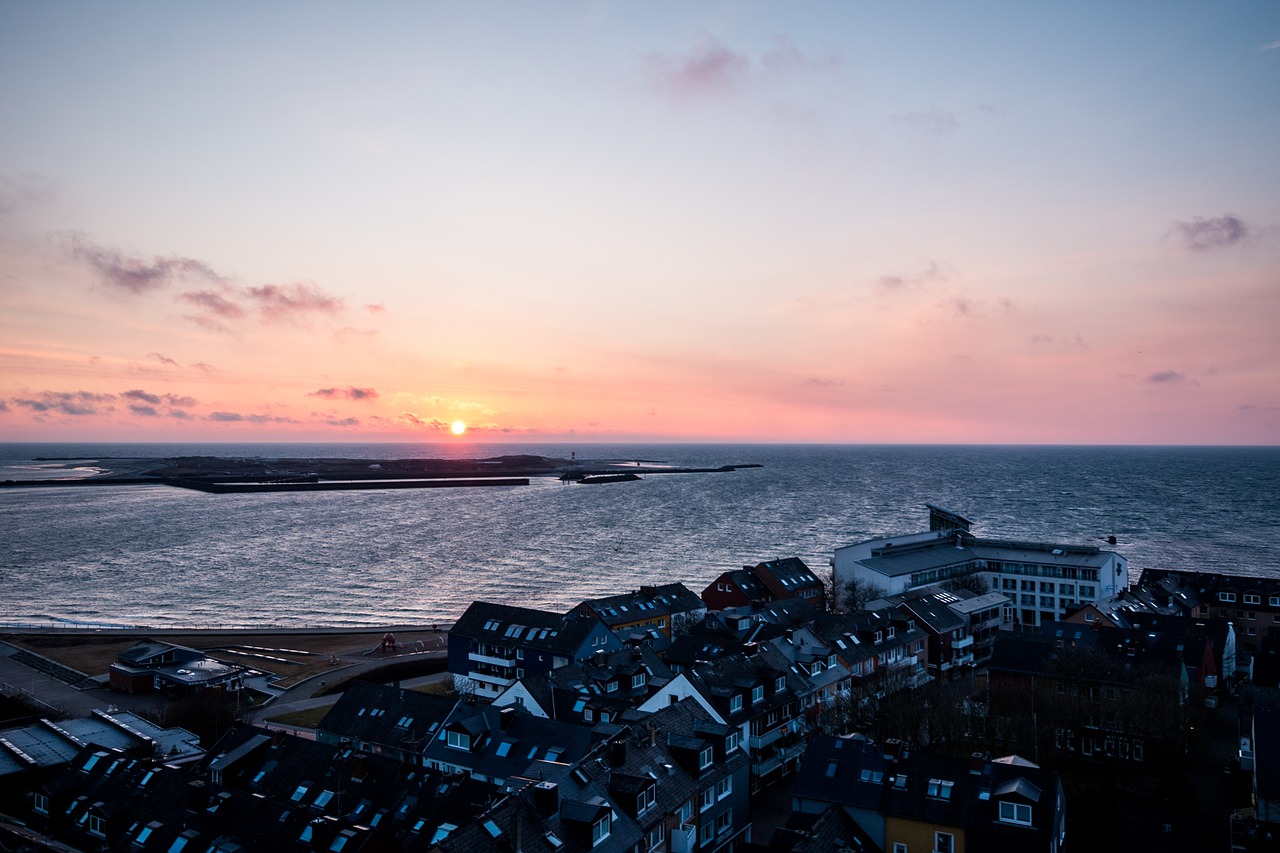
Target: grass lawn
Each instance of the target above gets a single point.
(308, 719)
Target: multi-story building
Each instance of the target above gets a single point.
(493, 645)
(1044, 581)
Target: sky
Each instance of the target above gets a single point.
(863, 222)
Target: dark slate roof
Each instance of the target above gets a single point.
(524, 626)
(385, 715)
(939, 790)
(499, 753)
(791, 573)
(844, 771)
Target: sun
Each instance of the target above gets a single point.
(458, 427)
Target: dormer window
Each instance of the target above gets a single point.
(638, 679)
(735, 703)
(891, 629)
(645, 799)
(1226, 596)
(611, 687)
(940, 789)
(879, 636)
(781, 683)
(705, 758)
(757, 693)
(459, 740)
(1015, 813)
(600, 829)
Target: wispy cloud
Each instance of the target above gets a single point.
(163, 359)
(74, 403)
(1166, 377)
(157, 399)
(708, 68)
(1201, 235)
(933, 120)
(412, 420)
(351, 393)
(132, 273)
(237, 417)
(895, 283)
(22, 191)
(1272, 46)
(285, 302)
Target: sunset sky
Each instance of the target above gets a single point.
(897, 222)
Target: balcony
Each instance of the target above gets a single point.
(487, 678)
(962, 644)
(684, 838)
(757, 742)
(492, 659)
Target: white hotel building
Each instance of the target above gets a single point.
(1043, 581)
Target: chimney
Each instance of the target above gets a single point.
(546, 798)
(197, 795)
(505, 717)
(358, 765)
(618, 752)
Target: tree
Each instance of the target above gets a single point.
(859, 591)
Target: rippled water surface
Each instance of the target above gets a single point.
(154, 555)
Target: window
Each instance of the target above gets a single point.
(1252, 598)
(645, 799)
(600, 829)
(1088, 616)
(724, 787)
(686, 812)
(731, 742)
(757, 693)
(97, 826)
(637, 680)
(944, 842)
(735, 703)
(705, 758)
(519, 654)
(706, 833)
(1015, 813)
(780, 683)
(706, 799)
(940, 789)
(724, 822)
(832, 767)
(657, 835)
(460, 740)
(1226, 596)
(40, 803)
(1274, 601)
(899, 847)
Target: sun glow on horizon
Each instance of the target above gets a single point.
(458, 427)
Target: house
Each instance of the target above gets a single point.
(906, 801)
(789, 577)
(675, 780)
(598, 690)
(738, 588)
(647, 612)
(493, 645)
(950, 646)
(491, 744)
(1251, 604)
(383, 720)
(154, 665)
(759, 696)
(1043, 581)
(883, 650)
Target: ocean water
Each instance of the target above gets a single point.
(159, 556)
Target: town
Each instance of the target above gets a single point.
(937, 692)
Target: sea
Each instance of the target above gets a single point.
(160, 557)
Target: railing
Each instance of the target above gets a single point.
(963, 644)
(761, 741)
(492, 660)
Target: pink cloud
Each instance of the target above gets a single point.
(1201, 235)
(351, 393)
(709, 68)
(132, 273)
(282, 302)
